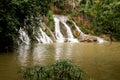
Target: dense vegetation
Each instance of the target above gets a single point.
(60, 70)
(103, 16)
(13, 14)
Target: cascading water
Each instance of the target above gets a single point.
(100, 40)
(69, 32)
(81, 33)
(24, 36)
(83, 36)
(43, 25)
(38, 33)
(70, 37)
(41, 36)
(63, 19)
(58, 34)
(45, 38)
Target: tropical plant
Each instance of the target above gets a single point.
(104, 16)
(60, 70)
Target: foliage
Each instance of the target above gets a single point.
(50, 20)
(65, 7)
(60, 4)
(60, 70)
(12, 16)
(104, 15)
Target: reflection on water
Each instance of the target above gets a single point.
(100, 61)
(60, 49)
(40, 53)
(23, 54)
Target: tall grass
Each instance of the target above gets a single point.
(60, 70)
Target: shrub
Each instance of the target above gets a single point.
(13, 14)
(104, 16)
(60, 70)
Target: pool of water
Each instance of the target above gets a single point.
(100, 61)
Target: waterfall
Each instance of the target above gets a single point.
(100, 40)
(34, 32)
(58, 34)
(43, 25)
(44, 37)
(69, 32)
(70, 36)
(81, 33)
(39, 35)
(24, 36)
(83, 36)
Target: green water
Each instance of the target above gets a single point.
(100, 61)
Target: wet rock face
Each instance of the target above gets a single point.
(107, 37)
(89, 38)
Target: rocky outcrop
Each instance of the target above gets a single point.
(88, 38)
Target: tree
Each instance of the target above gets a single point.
(12, 16)
(104, 16)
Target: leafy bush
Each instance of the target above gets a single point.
(60, 70)
(104, 16)
(13, 14)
